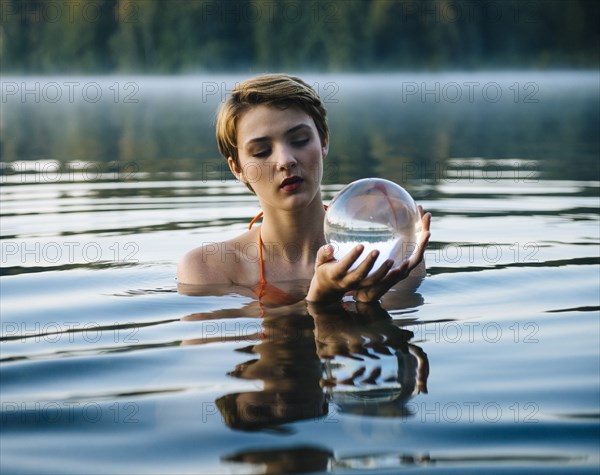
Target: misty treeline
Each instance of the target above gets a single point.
(187, 36)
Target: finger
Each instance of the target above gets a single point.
(422, 213)
(324, 254)
(375, 292)
(349, 259)
(364, 267)
(419, 250)
(378, 275)
(394, 276)
(425, 221)
(417, 255)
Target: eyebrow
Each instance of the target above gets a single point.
(287, 132)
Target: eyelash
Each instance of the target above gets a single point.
(262, 154)
(296, 143)
(300, 142)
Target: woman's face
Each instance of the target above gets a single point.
(280, 156)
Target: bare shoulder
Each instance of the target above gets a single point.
(201, 266)
(214, 263)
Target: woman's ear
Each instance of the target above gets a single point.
(325, 146)
(236, 170)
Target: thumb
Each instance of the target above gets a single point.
(324, 254)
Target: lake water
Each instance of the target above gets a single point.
(490, 366)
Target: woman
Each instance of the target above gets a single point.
(273, 132)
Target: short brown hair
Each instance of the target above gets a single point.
(279, 90)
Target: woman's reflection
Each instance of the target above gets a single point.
(302, 354)
(287, 363)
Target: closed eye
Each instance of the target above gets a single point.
(262, 153)
(300, 142)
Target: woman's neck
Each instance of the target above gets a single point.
(295, 234)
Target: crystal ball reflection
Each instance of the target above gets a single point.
(376, 213)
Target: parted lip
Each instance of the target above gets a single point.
(289, 180)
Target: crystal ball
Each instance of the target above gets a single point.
(377, 213)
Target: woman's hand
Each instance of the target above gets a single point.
(333, 279)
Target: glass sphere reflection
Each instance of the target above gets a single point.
(376, 213)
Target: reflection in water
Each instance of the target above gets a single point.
(305, 361)
(366, 332)
(318, 459)
(289, 367)
(301, 359)
(380, 130)
(292, 460)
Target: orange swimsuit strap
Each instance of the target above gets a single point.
(263, 280)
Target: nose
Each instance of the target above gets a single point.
(285, 158)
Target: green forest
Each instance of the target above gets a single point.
(192, 36)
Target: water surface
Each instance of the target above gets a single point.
(490, 366)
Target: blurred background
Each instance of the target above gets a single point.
(133, 85)
(193, 36)
(108, 106)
